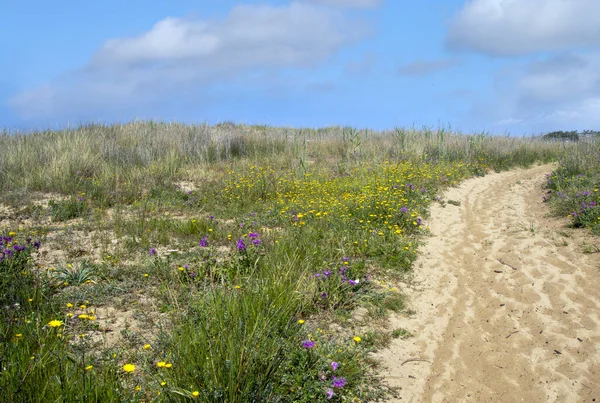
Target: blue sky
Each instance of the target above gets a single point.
(503, 66)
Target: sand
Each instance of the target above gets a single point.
(507, 304)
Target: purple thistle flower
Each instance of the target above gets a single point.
(204, 242)
(334, 365)
(308, 344)
(241, 246)
(339, 382)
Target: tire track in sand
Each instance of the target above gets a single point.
(506, 309)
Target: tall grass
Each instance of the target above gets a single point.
(124, 160)
(283, 225)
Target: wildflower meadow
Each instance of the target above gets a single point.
(156, 262)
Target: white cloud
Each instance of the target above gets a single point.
(560, 92)
(184, 56)
(561, 78)
(514, 27)
(348, 3)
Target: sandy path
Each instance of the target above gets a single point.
(507, 308)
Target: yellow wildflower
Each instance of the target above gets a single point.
(128, 368)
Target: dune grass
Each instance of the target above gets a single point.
(255, 246)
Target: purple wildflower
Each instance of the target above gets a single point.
(323, 294)
(253, 235)
(334, 365)
(204, 242)
(404, 210)
(339, 382)
(327, 273)
(308, 344)
(352, 282)
(241, 246)
(152, 251)
(256, 242)
(329, 393)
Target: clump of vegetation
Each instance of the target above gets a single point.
(573, 188)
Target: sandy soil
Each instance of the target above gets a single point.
(507, 305)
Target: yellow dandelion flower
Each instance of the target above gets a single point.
(147, 347)
(128, 368)
(83, 316)
(195, 393)
(163, 383)
(12, 233)
(55, 323)
(69, 305)
(161, 364)
(89, 367)
(301, 322)
(357, 339)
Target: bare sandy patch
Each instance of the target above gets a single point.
(507, 309)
